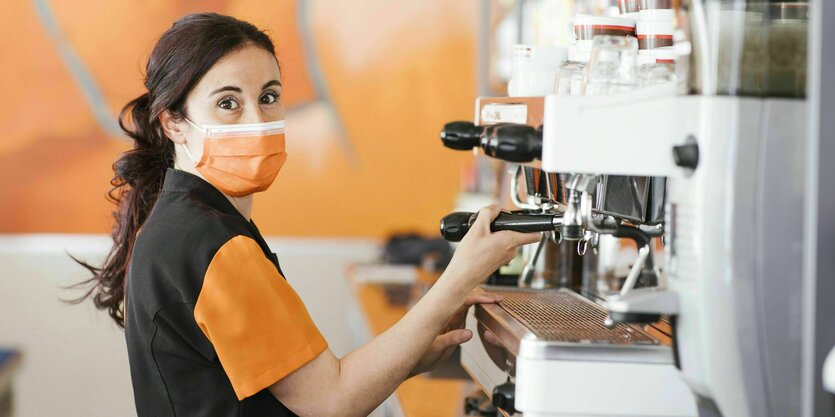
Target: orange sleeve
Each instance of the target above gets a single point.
(257, 324)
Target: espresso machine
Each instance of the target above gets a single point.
(704, 175)
(550, 337)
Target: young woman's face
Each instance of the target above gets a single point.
(243, 87)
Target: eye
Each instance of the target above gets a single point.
(228, 103)
(269, 97)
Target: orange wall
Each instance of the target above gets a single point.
(395, 72)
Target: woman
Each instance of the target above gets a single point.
(212, 327)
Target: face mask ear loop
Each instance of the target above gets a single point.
(203, 131)
(188, 152)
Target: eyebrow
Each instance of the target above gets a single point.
(271, 83)
(226, 88)
(238, 89)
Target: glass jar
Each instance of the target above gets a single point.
(570, 78)
(613, 67)
(755, 49)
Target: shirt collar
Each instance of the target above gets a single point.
(177, 180)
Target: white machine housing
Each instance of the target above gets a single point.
(734, 229)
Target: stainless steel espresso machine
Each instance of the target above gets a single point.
(551, 337)
(703, 173)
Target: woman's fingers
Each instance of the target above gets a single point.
(528, 238)
(485, 217)
(454, 337)
(471, 299)
(459, 318)
(480, 298)
(491, 339)
(515, 239)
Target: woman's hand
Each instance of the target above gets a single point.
(452, 334)
(481, 252)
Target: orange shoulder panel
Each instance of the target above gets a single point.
(257, 324)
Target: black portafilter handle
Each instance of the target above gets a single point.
(461, 136)
(506, 141)
(455, 225)
(514, 143)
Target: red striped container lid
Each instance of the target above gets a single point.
(604, 22)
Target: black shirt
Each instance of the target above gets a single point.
(210, 321)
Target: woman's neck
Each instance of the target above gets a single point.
(243, 204)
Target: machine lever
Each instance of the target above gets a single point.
(455, 226)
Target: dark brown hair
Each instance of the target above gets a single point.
(181, 57)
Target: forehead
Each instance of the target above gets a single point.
(247, 67)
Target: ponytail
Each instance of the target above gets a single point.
(137, 181)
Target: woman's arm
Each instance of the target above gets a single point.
(356, 384)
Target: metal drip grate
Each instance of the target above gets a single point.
(564, 316)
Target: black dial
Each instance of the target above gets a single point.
(687, 155)
(504, 397)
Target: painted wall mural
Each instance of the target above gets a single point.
(367, 84)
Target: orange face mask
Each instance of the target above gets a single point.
(241, 159)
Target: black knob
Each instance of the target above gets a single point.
(687, 155)
(514, 143)
(461, 135)
(504, 397)
(455, 225)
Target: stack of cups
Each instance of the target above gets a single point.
(586, 27)
(654, 29)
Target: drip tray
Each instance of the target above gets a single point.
(564, 316)
(559, 324)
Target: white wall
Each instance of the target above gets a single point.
(75, 360)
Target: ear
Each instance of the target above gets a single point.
(171, 128)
